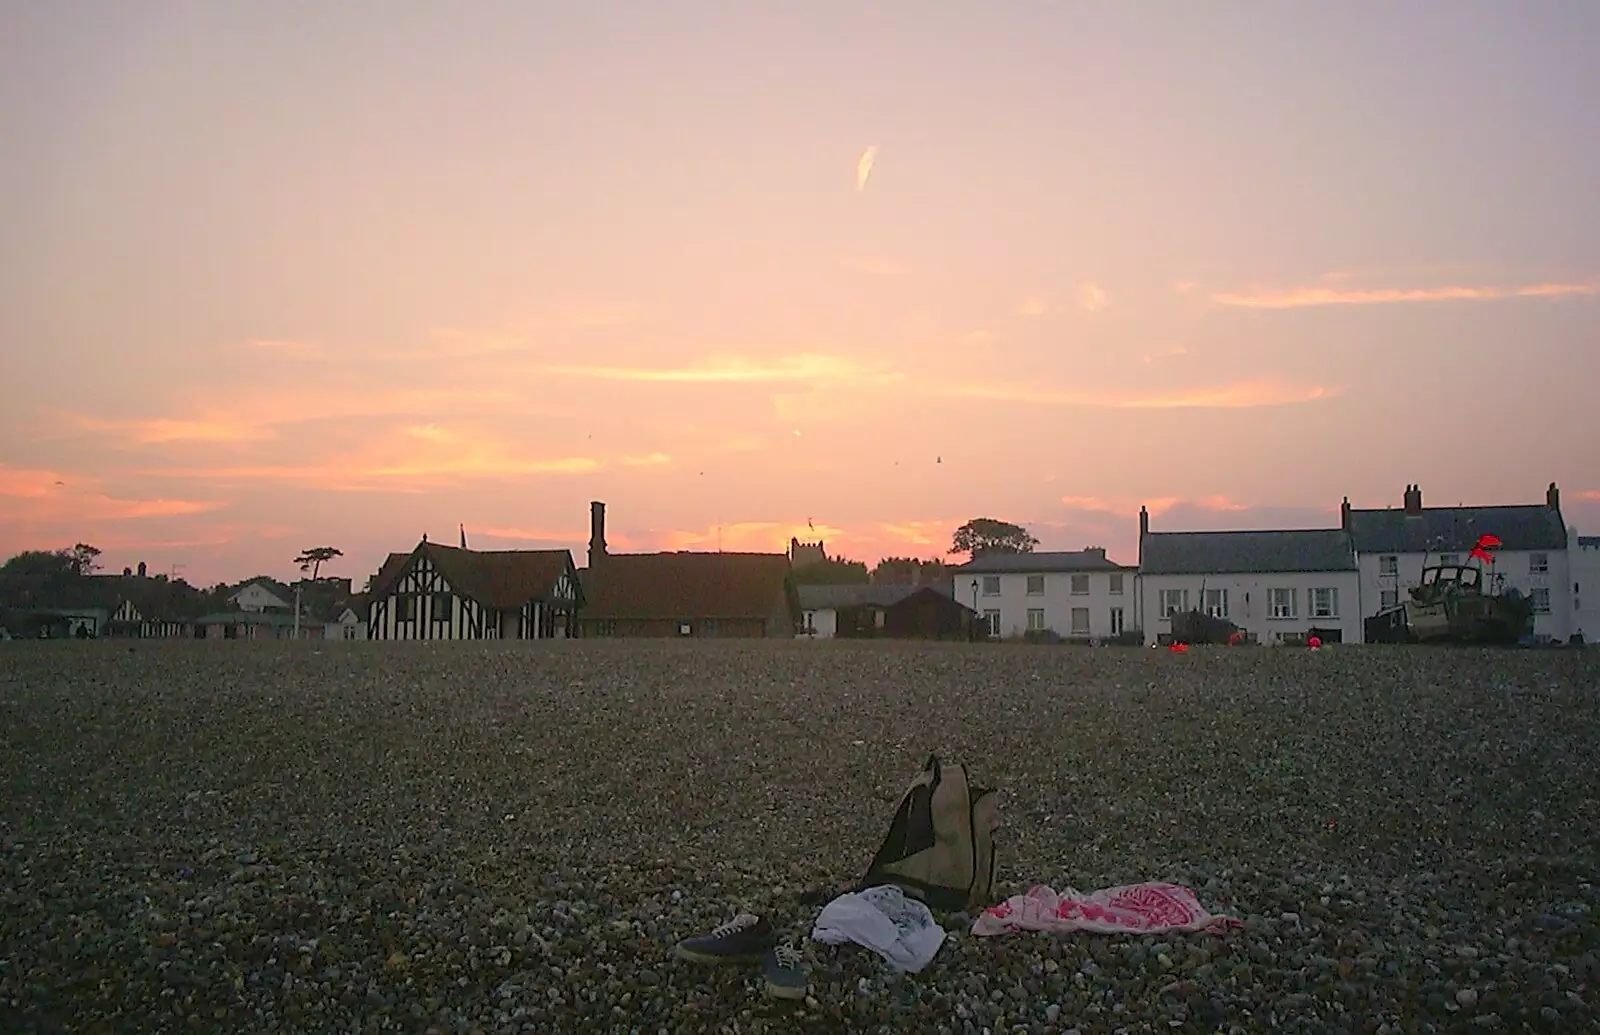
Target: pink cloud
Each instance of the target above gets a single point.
(1304, 297)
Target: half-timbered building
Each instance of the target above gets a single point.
(440, 592)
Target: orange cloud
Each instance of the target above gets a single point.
(752, 536)
(1156, 506)
(1589, 495)
(647, 460)
(157, 430)
(1033, 307)
(28, 482)
(1093, 297)
(808, 366)
(1240, 395)
(1305, 297)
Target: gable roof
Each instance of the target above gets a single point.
(502, 579)
(278, 589)
(1456, 529)
(684, 584)
(1035, 563)
(831, 598)
(1228, 553)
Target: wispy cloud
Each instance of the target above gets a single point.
(1238, 395)
(1034, 306)
(647, 460)
(1589, 495)
(27, 482)
(1183, 287)
(1093, 298)
(738, 370)
(1308, 297)
(157, 430)
(873, 267)
(864, 165)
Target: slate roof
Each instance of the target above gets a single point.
(501, 579)
(1456, 529)
(1226, 553)
(831, 598)
(1034, 563)
(687, 585)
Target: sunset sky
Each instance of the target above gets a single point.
(280, 275)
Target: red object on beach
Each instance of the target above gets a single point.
(1314, 642)
(1178, 648)
(1236, 638)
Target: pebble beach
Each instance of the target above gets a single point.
(504, 838)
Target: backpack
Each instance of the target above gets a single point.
(940, 847)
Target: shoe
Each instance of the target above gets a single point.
(744, 939)
(785, 972)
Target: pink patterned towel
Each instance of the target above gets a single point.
(1129, 909)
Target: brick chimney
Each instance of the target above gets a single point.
(1344, 514)
(597, 533)
(1413, 499)
(1552, 497)
(1144, 521)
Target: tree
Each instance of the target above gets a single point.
(835, 571)
(907, 571)
(37, 565)
(84, 559)
(989, 535)
(313, 559)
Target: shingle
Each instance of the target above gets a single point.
(1219, 553)
(1456, 529)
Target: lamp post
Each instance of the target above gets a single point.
(297, 610)
(975, 604)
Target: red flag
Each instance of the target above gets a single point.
(1489, 540)
(1481, 554)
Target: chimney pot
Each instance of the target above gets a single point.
(1552, 497)
(1144, 521)
(1344, 514)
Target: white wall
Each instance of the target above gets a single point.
(256, 597)
(1013, 600)
(1513, 565)
(824, 620)
(1249, 602)
(1583, 569)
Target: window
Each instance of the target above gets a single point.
(1116, 584)
(1217, 603)
(1035, 585)
(1388, 564)
(991, 585)
(1173, 601)
(1541, 600)
(1388, 598)
(1285, 603)
(405, 608)
(1449, 558)
(1035, 619)
(605, 627)
(1080, 621)
(811, 622)
(1116, 621)
(991, 622)
(1538, 563)
(708, 627)
(441, 606)
(1080, 585)
(1325, 602)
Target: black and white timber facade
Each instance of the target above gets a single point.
(444, 593)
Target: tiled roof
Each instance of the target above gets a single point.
(831, 598)
(1034, 563)
(1456, 529)
(687, 585)
(502, 579)
(1225, 553)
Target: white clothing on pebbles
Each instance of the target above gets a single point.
(502, 838)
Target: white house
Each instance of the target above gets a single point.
(1275, 585)
(1079, 594)
(350, 623)
(258, 596)
(1583, 558)
(1394, 544)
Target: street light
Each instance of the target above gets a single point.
(975, 602)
